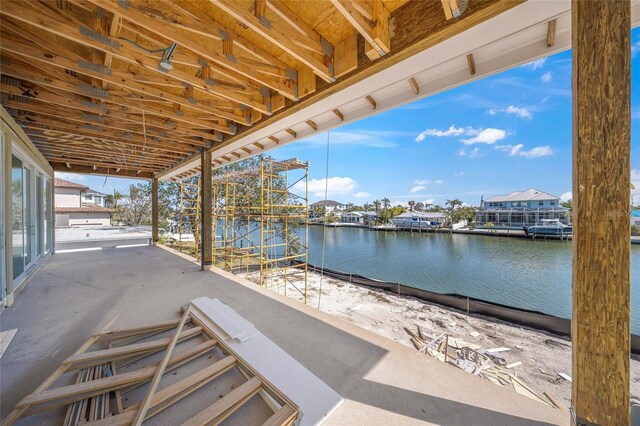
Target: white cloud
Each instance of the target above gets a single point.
(538, 151)
(69, 176)
(335, 186)
(511, 149)
(451, 131)
(475, 152)
(460, 174)
(418, 188)
(517, 150)
(566, 196)
(361, 194)
(512, 110)
(421, 182)
(365, 138)
(439, 181)
(635, 48)
(488, 136)
(429, 201)
(534, 65)
(462, 153)
(546, 77)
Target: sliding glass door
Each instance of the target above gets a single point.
(18, 222)
(31, 221)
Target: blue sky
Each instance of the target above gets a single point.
(508, 132)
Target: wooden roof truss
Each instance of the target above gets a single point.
(137, 86)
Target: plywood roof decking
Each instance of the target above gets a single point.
(84, 80)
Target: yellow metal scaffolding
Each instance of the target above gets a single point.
(261, 225)
(189, 217)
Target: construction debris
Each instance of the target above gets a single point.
(486, 363)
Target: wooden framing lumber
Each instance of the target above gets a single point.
(471, 63)
(171, 394)
(19, 411)
(551, 32)
(373, 27)
(224, 407)
(144, 406)
(288, 39)
(119, 352)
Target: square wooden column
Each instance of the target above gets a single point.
(154, 210)
(601, 227)
(206, 243)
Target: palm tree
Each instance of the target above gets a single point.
(377, 205)
(411, 205)
(453, 204)
(386, 203)
(419, 207)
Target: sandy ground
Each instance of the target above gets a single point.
(543, 355)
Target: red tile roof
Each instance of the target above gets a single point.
(86, 208)
(61, 183)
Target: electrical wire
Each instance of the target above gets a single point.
(164, 49)
(324, 227)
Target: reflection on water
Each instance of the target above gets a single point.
(522, 273)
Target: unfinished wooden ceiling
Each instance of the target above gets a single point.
(134, 87)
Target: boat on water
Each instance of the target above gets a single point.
(418, 221)
(549, 227)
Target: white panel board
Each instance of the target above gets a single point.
(315, 398)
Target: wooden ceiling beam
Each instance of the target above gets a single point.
(451, 8)
(371, 102)
(154, 125)
(59, 56)
(70, 153)
(51, 125)
(312, 124)
(55, 55)
(64, 25)
(307, 50)
(274, 140)
(551, 32)
(414, 85)
(339, 114)
(374, 30)
(103, 146)
(104, 123)
(471, 63)
(57, 80)
(104, 171)
(163, 27)
(96, 162)
(207, 26)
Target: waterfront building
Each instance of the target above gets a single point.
(326, 206)
(519, 209)
(364, 218)
(635, 217)
(420, 220)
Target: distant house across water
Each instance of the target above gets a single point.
(519, 209)
(94, 197)
(364, 218)
(328, 206)
(635, 217)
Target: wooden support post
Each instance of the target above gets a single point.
(601, 184)
(206, 245)
(154, 210)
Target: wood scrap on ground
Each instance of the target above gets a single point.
(486, 363)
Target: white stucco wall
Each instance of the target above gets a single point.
(80, 219)
(67, 197)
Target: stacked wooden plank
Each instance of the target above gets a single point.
(103, 368)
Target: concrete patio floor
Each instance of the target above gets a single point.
(382, 382)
